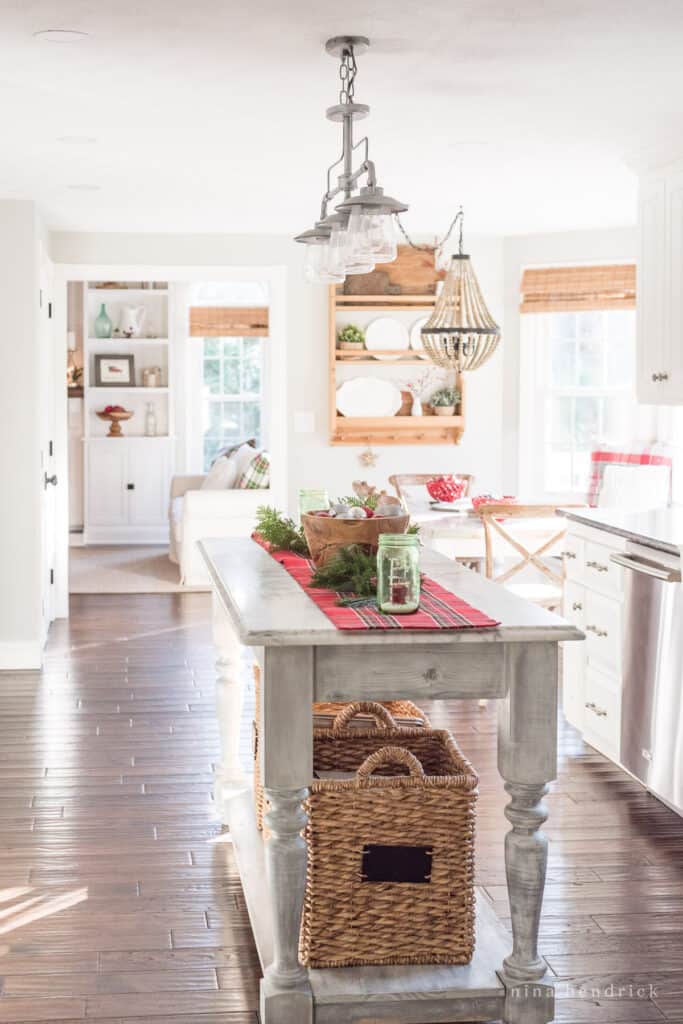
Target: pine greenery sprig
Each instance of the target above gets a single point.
(370, 501)
(352, 570)
(280, 531)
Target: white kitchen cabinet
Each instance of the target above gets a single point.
(127, 488)
(602, 711)
(591, 678)
(573, 654)
(659, 301)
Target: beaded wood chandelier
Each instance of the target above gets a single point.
(460, 334)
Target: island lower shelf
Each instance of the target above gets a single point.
(420, 994)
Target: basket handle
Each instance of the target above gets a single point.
(390, 755)
(366, 707)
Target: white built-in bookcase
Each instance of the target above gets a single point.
(126, 479)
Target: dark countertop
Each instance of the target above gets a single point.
(660, 528)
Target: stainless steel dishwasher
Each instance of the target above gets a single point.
(652, 696)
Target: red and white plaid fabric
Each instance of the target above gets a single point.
(647, 455)
(439, 608)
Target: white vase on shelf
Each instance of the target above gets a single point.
(416, 408)
(150, 421)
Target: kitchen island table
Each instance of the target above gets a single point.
(303, 659)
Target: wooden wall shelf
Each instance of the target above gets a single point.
(390, 430)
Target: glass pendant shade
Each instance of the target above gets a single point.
(319, 264)
(358, 255)
(381, 237)
(460, 334)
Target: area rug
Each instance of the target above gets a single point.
(123, 569)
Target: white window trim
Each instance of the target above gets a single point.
(532, 405)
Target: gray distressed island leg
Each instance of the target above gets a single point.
(229, 777)
(286, 752)
(527, 760)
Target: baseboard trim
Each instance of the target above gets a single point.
(126, 535)
(20, 657)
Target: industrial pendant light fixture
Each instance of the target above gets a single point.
(460, 334)
(361, 233)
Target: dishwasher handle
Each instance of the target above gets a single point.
(647, 568)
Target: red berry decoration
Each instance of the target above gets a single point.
(446, 488)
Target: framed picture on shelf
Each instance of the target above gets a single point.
(114, 371)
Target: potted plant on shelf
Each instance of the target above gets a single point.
(444, 401)
(351, 338)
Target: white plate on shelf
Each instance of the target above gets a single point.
(368, 396)
(386, 333)
(416, 337)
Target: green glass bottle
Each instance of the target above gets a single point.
(103, 325)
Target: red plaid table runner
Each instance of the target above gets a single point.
(439, 608)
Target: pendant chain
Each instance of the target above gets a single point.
(347, 74)
(437, 248)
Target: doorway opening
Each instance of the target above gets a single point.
(167, 370)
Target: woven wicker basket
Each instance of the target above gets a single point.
(390, 857)
(401, 712)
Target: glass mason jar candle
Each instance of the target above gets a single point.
(398, 573)
(313, 501)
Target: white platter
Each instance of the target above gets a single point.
(368, 396)
(416, 337)
(386, 333)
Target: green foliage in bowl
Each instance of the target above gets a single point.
(445, 398)
(351, 335)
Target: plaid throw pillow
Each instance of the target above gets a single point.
(257, 473)
(649, 455)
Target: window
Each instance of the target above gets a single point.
(232, 375)
(579, 390)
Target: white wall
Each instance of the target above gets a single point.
(20, 466)
(563, 248)
(312, 462)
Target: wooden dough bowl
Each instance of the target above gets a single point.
(326, 535)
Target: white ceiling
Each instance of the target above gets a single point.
(209, 115)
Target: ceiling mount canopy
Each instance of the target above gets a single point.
(361, 233)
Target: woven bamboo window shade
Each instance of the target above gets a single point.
(228, 321)
(567, 289)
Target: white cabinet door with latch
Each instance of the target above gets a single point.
(147, 484)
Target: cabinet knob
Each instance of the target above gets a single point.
(568, 554)
(596, 629)
(660, 377)
(130, 487)
(577, 606)
(598, 566)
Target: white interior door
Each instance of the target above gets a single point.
(49, 479)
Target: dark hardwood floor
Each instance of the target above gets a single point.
(119, 900)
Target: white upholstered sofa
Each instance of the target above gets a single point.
(197, 514)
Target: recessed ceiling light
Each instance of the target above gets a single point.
(60, 35)
(77, 140)
(84, 188)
